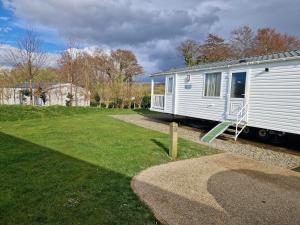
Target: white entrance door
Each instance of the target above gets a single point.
(169, 94)
(236, 100)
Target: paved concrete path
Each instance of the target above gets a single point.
(269, 156)
(221, 189)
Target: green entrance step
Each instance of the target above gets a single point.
(216, 131)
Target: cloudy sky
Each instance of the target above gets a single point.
(150, 28)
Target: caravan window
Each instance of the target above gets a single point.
(238, 85)
(170, 85)
(212, 84)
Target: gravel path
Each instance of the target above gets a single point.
(281, 159)
(221, 189)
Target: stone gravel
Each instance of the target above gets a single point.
(267, 155)
(225, 188)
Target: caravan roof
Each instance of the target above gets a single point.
(274, 57)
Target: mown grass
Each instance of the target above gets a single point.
(74, 166)
(22, 112)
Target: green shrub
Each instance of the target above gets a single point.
(43, 96)
(69, 99)
(97, 99)
(146, 102)
(112, 105)
(25, 92)
(93, 103)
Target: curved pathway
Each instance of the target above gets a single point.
(220, 189)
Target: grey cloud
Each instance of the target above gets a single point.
(113, 22)
(153, 28)
(280, 14)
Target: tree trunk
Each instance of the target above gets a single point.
(31, 92)
(71, 92)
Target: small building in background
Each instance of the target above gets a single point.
(45, 95)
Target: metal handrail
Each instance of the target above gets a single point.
(241, 115)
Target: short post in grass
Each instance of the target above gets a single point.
(173, 140)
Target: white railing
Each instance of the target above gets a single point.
(241, 119)
(158, 102)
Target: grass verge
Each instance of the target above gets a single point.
(74, 166)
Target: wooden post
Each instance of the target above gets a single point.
(173, 140)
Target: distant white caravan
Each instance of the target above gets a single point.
(45, 94)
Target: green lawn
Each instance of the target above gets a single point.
(74, 166)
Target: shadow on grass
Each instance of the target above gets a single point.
(42, 186)
(143, 111)
(147, 112)
(161, 145)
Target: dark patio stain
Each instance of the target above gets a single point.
(257, 197)
(297, 169)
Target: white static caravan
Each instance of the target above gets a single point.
(56, 94)
(261, 92)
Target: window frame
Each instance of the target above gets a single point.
(204, 86)
(246, 85)
(168, 92)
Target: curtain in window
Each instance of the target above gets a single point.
(213, 84)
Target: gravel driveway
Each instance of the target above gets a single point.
(222, 189)
(263, 154)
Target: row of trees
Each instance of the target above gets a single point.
(244, 42)
(107, 76)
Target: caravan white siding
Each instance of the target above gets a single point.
(10, 96)
(191, 101)
(274, 97)
(56, 95)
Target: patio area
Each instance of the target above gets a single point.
(220, 189)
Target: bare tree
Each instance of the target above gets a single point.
(215, 49)
(190, 51)
(125, 64)
(107, 75)
(103, 76)
(29, 57)
(3, 81)
(69, 66)
(269, 40)
(139, 91)
(85, 70)
(242, 41)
